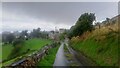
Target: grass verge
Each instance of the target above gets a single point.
(49, 59)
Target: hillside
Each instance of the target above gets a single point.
(30, 46)
(100, 45)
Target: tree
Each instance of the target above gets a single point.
(11, 37)
(24, 34)
(8, 37)
(35, 33)
(44, 34)
(83, 24)
(18, 45)
(18, 41)
(108, 21)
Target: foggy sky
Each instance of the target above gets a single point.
(48, 15)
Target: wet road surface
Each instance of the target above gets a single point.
(60, 57)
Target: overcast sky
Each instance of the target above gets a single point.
(59, 0)
(48, 15)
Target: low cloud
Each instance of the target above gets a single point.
(48, 15)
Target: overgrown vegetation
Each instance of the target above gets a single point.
(17, 46)
(101, 45)
(49, 59)
(98, 44)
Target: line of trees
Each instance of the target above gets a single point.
(11, 38)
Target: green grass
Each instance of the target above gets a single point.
(104, 52)
(35, 44)
(32, 44)
(0, 52)
(49, 59)
(6, 50)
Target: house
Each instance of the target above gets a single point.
(61, 30)
(51, 35)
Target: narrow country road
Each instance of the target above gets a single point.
(60, 58)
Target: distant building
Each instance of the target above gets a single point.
(54, 35)
(51, 35)
(61, 30)
(16, 34)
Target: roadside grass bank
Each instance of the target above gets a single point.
(49, 59)
(29, 47)
(76, 58)
(100, 45)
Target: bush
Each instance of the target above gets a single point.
(18, 44)
(18, 41)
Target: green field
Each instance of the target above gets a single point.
(31, 44)
(100, 46)
(49, 59)
(6, 50)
